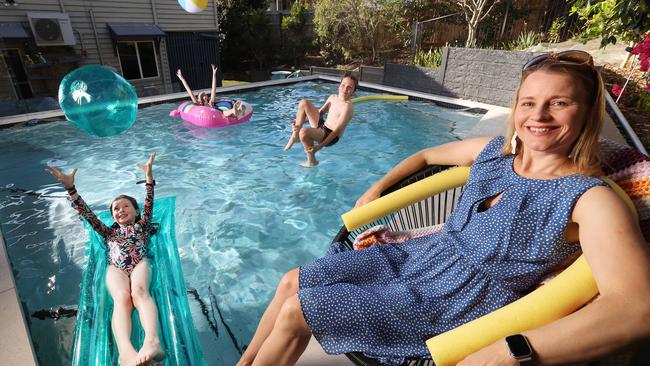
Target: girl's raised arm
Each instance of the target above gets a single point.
(213, 94)
(77, 202)
(187, 87)
(147, 168)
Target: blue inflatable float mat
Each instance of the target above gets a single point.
(93, 339)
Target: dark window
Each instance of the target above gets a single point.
(148, 59)
(138, 59)
(11, 61)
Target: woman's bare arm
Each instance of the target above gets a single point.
(452, 153)
(620, 261)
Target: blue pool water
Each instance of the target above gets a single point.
(246, 211)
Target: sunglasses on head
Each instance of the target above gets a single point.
(571, 57)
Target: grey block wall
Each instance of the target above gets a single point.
(488, 76)
(411, 77)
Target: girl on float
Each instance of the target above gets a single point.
(128, 274)
(237, 109)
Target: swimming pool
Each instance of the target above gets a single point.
(246, 211)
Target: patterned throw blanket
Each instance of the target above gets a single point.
(624, 165)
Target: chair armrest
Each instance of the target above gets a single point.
(383, 206)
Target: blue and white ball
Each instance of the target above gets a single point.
(193, 6)
(98, 101)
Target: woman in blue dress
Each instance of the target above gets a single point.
(529, 197)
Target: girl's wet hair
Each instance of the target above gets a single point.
(133, 202)
(153, 228)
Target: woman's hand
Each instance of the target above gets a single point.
(496, 354)
(147, 167)
(370, 195)
(179, 74)
(214, 69)
(66, 179)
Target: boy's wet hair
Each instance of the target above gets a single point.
(351, 75)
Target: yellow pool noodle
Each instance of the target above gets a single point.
(412, 193)
(379, 97)
(561, 296)
(564, 294)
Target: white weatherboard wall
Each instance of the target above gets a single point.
(89, 20)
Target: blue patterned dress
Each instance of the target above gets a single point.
(386, 301)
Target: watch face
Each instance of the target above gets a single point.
(518, 346)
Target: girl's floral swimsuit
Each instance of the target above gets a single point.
(127, 245)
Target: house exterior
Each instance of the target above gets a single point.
(145, 41)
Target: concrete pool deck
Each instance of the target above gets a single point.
(15, 343)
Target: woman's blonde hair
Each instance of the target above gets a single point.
(585, 153)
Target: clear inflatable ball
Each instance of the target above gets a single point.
(193, 6)
(98, 101)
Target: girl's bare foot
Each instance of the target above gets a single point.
(128, 358)
(243, 361)
(150, 353)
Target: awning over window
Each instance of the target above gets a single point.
(135, 30)
(13, 30)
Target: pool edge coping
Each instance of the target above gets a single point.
(44, 116)
(17, 347)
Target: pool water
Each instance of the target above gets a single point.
(246, 211)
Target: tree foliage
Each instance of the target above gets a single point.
(351, 27)
(405, 13)
(297, 19)
(475, 11)
(613, 20)
(247, 34)
(297, 41)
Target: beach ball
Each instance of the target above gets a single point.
(98, 101)
(193, 6)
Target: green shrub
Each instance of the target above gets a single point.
(431, 58)
(556, 28)
(525, 40)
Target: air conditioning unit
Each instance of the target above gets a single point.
(51, 29)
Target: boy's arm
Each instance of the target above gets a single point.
(325, 107)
